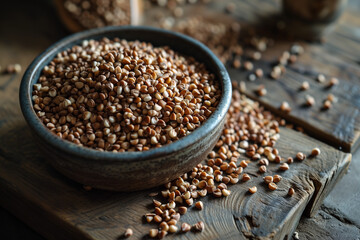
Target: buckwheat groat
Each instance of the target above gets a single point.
(116, 95)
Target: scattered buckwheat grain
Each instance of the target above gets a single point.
(272, 186)
(327, 105)
(285, 107)
(291, 191)
(315, 152)
(300, 156)
(321, 78)
(128, 233)
(310, 101)
(305, 86)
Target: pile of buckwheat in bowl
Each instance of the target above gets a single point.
(125, 115)
(118, 95)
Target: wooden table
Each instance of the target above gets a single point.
(33, 27)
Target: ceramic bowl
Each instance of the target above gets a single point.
(128, 171)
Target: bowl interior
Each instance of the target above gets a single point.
(158, 37)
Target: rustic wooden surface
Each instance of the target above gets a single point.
(51, 204)
(338, 217)
(338, 57)
(35, 37)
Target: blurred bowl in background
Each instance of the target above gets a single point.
(312, 19)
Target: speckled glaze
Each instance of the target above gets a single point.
(128, 171)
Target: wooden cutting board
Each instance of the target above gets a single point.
(60, 209)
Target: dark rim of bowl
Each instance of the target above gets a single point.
(35, 68)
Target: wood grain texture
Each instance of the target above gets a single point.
(51, 204)
(336, 219)
(326, 226)
(340, 125)
(346, 208)
(338, 56)
(60, 209)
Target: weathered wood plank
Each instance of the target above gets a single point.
(342, 222)
(340, 125)
(338, 57)
(52, 204)
(47, 201)
(338, 217)
(344, 41)
(343, 200)
(326, 226)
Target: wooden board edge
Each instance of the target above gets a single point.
(322, 189)
(48, 224)
(289, 227)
